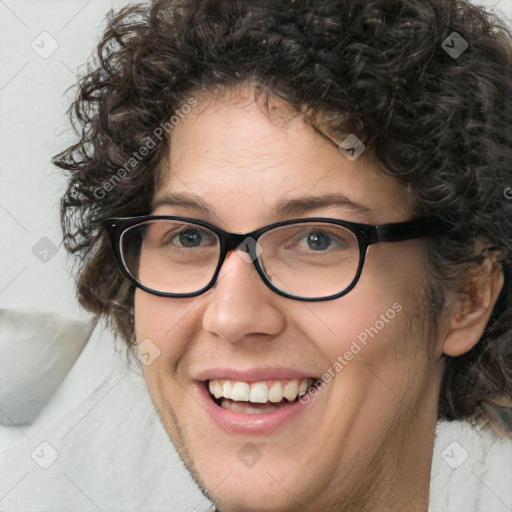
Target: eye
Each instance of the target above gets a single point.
(187, 236)
(190, 237)
(172, 235)
(320, 240)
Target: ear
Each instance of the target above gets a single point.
(472, 309)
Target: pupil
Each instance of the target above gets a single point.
(318, 241)
(190, 238)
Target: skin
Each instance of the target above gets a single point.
(365, 442)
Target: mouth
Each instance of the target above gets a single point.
(257, 398)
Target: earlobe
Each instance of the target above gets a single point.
(472, 311)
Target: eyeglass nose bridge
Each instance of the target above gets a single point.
(247, 243)
(244, 242)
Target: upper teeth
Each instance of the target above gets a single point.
(259, 392)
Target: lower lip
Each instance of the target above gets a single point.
(256, 424)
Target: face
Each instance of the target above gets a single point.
(375, 412)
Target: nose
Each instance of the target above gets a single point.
(240, 305)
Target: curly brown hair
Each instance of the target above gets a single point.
(439, 123)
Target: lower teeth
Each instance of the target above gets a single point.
(250, 408)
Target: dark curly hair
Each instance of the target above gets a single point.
(438, 122)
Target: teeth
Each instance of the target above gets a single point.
(217, 390)
(227, 389)
(290, 390)
(259, 392)
(240, 392)
(246, 408)
(303, 387)
(275, 393)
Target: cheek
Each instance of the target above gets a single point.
(376, 323)
(361, 317)
(163, 321)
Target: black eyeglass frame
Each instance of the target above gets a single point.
(366, 235)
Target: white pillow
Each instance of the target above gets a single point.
(37, 350)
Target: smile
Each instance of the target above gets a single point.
(255, 407)
(233, 395)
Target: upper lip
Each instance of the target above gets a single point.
(253, 374)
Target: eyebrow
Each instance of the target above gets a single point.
(292, 206)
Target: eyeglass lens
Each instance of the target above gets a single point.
(310, 259)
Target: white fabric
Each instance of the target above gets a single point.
(483, 480)
(33, 367)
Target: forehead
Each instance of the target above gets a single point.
(245, 152)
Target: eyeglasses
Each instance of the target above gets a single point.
(309, 259)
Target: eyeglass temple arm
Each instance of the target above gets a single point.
(416, 228)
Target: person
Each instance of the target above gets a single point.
(298, 214)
